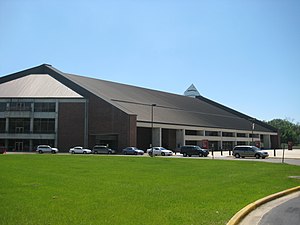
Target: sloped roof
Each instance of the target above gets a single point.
(170, 108)
(36, 86)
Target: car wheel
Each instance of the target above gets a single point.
(40, 151)
(135, 153)
(184, 154)
(95, 152)
(53, 152)
(257, 156)
(109, 153)
(237, 155)
(200, 154)
(84, 152)
(163, 154)
(72, 152)
(125, 153)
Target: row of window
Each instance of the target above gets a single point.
(24, 145)
(217, 134)
(26, 106)
(22, 125)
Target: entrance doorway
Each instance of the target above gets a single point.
(19, 146)
(110, 141)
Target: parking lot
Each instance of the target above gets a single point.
(290, 156)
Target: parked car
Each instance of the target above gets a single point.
(190, 150)
(248, 151)
(159, 151)
(80, 150)
(132, 151)
(46, 148)
(101, 149)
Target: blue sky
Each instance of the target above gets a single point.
(244, 54)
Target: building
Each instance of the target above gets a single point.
(43, 105)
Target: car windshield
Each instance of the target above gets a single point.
(255, 148)
(161, 148)
(198, 148)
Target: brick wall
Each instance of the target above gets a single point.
(70, 125)
(106, 119)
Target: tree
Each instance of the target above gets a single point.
(288, 130)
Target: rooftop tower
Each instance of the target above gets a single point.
(192, 92)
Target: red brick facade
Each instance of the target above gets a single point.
(70, 125)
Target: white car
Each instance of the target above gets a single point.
(46, 148)
(80, 150)
(159, 151)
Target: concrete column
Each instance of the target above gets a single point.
(6, 125)
(30, 145)
(31, 124)
(180, 138)
(6, 144)
(221, 141)
(56, 124)
(32, 117)
(156, 135)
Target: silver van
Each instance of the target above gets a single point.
(249, 151)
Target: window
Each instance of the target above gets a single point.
(254, 135)
(211, 133)
(241, 135)
(44, 107)
(2, 125)
(2, 106)
(19, 125)
(20, 106)
(227, 134)
(44, 125)
(190, 132)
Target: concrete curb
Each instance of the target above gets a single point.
(240, 215)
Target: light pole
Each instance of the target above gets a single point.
(152, 115)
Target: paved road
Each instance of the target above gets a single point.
(287, 213)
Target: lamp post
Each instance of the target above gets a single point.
(152, 115)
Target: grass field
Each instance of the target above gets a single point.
(79, 189)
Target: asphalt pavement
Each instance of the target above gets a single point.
(286, 213)
(281, 211)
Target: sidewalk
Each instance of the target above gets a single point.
(293, 154)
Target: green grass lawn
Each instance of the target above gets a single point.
(80, 189)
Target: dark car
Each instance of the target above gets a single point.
(132, 151)
(190, 150)
(100, 149)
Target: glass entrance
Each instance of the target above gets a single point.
(19, 146)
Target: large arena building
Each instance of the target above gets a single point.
(43, 105)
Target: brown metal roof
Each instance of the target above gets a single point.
(170, 108)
